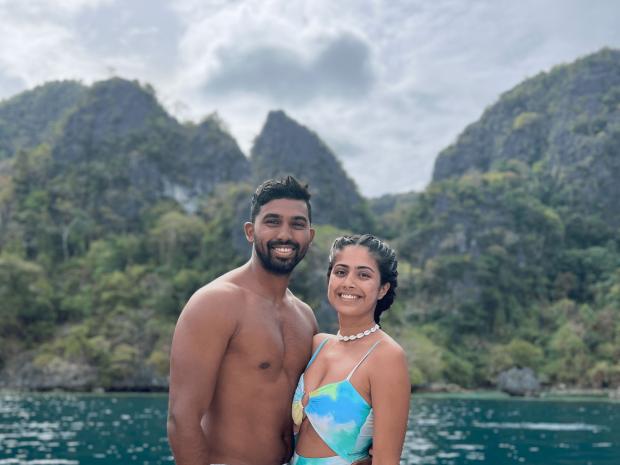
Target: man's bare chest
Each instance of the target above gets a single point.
(272, 342)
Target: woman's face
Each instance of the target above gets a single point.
(355, 282)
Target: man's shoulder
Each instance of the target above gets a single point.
(297, 302)
(301, 306)
(218, 290)
(227, 286)
(215, 298)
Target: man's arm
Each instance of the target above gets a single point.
(200, 339)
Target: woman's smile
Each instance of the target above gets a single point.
(350, 297)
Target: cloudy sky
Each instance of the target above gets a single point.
(386, 83)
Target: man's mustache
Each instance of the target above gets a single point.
(272, 244)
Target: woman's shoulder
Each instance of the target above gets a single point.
(389, 364)
(388, 350)
(318, 338)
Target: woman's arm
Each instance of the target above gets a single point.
(390, 390)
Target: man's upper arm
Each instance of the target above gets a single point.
(200, 340)
(390, 392)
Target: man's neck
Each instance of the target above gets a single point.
(268, 285)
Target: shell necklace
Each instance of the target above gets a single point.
(358, 335)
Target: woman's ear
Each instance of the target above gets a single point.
(383, 290)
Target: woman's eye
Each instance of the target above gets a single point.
(339, 272)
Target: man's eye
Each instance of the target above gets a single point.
(299, 225)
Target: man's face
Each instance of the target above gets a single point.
(281, 234)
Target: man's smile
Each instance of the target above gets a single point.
(283, 250)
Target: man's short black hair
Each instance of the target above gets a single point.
(280, 188)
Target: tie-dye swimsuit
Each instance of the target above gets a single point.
(340, 416)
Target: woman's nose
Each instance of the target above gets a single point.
(349, 280)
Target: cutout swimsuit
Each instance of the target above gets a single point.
(340, 416)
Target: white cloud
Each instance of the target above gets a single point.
(340, 69)
(47, 8)
(424, 70)
(37, 51)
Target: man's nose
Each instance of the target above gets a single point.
(284, 232)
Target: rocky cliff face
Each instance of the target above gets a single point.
(520, 224)
(33, 117)
(106, 165)
(123, 138)
(286, 147)
(565, 124)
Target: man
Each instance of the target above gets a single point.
(241, 343)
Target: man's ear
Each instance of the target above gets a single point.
(312, 232)
(383, 290)
(248, 228)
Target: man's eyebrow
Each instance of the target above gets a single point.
(271, 215)
(300, 218)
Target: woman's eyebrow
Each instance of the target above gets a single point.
(360, 267)
(364, 267)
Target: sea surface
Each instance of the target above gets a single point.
(69, 429)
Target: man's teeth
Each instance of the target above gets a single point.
(283, 250)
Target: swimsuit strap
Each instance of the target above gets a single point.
(363, 358)
(316, 352)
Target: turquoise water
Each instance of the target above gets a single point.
(66, 429)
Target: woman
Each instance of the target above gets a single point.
(355, 391)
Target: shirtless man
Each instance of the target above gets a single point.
(241, 343)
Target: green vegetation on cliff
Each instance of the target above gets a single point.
(112, 213)
(515, 244)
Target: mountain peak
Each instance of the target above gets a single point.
(286, 147)
(30, 118)
(278, 116)
(526, 121)
(563, 124)
(281, 126)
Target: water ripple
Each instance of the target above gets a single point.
(100, 430)
(542, 426)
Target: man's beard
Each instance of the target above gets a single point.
(276, 265)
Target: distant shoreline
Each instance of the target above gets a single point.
(552, 394)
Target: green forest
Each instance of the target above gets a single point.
(112, 213)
